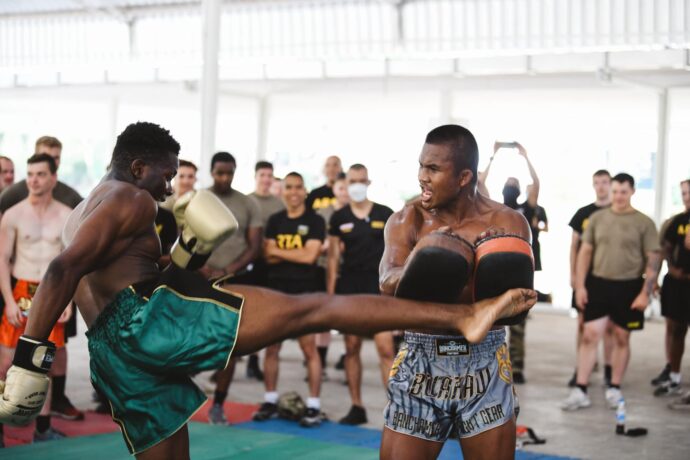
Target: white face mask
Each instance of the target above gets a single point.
(357, 192)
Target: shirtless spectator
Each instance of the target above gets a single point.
(30, 234)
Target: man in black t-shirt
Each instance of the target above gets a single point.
(675, 297)
(601, 183)
(323, 197)
(359, 226)
(292, 244)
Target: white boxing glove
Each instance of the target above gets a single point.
(206, 223)
(25, 389)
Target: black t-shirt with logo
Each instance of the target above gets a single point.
(581, 218)
(363, 238)
(675, 235)
(321, 197)
(292, 234)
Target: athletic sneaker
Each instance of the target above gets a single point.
(266, 411)
(613, 395)
(668, 389)
(681, 403)
(311, 418)
(356, 416)
(51, 434)
(216, 415)
(63, 408)
(577, 399)
(664, 376)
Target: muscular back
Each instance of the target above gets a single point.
(129, 256)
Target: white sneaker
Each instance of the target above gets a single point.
(682, 403)
(577, 399)
(613, 395)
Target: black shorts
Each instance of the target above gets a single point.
(613, 298)
(675, 299)
(358, 283)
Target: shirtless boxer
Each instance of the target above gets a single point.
(439, 384)
(30, 235)
(148, 331)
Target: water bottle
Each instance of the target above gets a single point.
(620, 416)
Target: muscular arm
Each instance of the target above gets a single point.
(584, 261)
(574, 243)
(254, 239)
(651, 272)
(333, 263)
(399, 239)
(100, 238)
(8, 234)
(305, 255)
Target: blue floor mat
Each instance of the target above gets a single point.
(365, 437)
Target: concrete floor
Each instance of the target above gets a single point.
(588, 433)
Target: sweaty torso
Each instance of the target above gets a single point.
(483, 216)
(38, 238)
(130, 260)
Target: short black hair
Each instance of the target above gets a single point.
(294, 174)
(188, 164)
(144, 141)
(358, 167)
(602, 172)
(263, 165)
(623, 178)
(462, 144)
(43, 158)
(340, 176)
(222, 157)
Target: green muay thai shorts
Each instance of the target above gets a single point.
(146, 343)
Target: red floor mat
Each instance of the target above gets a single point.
(99, 423)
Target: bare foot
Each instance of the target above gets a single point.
(486, 312)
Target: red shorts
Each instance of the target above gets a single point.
(9, 335)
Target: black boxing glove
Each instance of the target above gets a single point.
(501, 263)
(437, 269)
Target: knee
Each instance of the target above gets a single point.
(590, 336)
(621, 338)
(353, 349)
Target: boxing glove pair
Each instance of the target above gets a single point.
(206, 222)
(440, 265)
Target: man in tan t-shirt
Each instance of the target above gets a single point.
(622, 245)
(233, 256)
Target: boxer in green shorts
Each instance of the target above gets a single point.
(148, 331)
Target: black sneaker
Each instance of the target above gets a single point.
(340, 365)
(312, 418)
(253, 369)
(668, 389)
(572, 383)
(664, 376)
(356, 416)
(518, 378)
(266, 411)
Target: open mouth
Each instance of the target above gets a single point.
(426, 193)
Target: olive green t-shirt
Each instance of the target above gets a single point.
(247, 213)
(621, 243)
(268, 205)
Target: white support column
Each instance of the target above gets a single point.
(262, 132)
(661, 161)
(209, 85)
